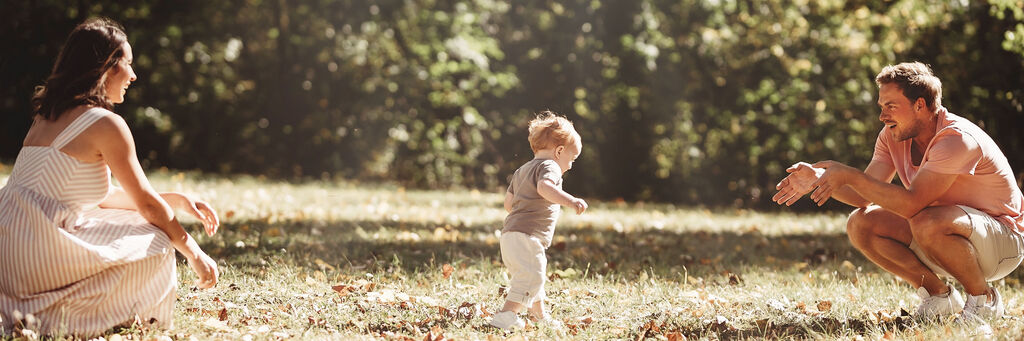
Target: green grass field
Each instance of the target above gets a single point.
(324, 260)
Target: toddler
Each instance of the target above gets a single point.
(532, 202)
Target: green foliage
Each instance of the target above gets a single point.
(694, 101)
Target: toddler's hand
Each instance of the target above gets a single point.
(579, 205)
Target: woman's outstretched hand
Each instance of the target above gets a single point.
(204, 212)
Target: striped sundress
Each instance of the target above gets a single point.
(76, 268)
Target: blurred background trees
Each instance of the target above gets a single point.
(693, 102)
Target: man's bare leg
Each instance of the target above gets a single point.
(884, 238)
(943, 233)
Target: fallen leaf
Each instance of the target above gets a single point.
(435, 334)
(447, 270)
(323, 265)
(223, 315)
(675, 336)
(445, 312)
(342, 290)
(824, 306)
(763, 325)
(468, 310)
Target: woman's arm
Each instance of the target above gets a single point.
(113, 140)
(118, 198)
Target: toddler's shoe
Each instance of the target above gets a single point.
(507, 320)
(550, 322)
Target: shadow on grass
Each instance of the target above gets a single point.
(822, 327)
(719, 259)
(370, 245)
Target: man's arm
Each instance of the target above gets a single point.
(879, 171)
(926, 187)
(803, 176)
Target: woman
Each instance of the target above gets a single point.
(78, 268)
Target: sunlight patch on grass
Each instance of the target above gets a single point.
(325, 260)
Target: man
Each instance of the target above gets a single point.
(958, 213)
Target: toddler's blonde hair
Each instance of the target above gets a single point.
(549, 130)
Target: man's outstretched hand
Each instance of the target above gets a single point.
(800, 181)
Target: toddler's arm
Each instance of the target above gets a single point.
(508, 202)
(547, 189)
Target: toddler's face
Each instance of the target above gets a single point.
(567, 154)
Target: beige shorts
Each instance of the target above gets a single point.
(1000, 249)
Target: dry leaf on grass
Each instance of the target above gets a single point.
(356, 286)
(435, 334)
(447, 270)
(824, 306)
(675, 336)
(575, 328)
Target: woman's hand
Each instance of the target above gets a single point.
(205, 268)
(205, 213)
(196, 208)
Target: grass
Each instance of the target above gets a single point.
(326, 260)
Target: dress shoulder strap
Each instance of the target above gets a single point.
(77, 126)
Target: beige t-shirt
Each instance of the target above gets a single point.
(985, 180)
(531, 213)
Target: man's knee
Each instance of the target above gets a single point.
(930, 223)
(858, 226)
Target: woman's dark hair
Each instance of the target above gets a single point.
(79, 74)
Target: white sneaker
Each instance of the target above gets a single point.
(507, 320)
(938, 305)
(550, 322)
(978, 308)
(981, 306)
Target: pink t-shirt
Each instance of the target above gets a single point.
(985, 180)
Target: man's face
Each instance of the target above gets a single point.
(902, 117)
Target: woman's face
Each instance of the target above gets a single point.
(120, 76)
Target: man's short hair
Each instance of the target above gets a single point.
(916, 80)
